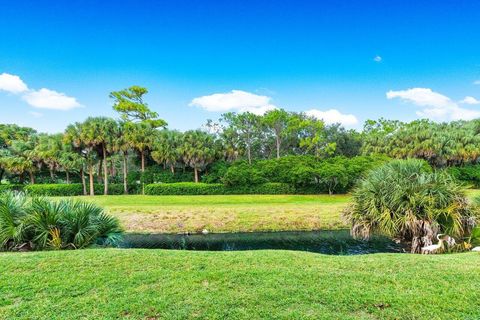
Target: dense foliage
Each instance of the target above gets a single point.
(39, 223)
(241, 149)
(407, 200)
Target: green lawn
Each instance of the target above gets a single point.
(225, 213)
(160, 284)
(228, 213)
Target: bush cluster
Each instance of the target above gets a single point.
(191, 188)
(469, 174)
(35, 223)
(306, 174)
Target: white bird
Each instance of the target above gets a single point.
(476, 249)
(434, 247)
(205, 231)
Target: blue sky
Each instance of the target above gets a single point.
(344, 61)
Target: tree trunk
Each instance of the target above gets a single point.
(172, 169)
(32, 177)
(196, 174)
(99, 173)
(125, 185)
(2, 171)
(22, 177)
(68, 177)
(278, 147)
(249, 155)
(142, 154)
(51, 176)
(82, 177)
(105, 172)
(90, 173)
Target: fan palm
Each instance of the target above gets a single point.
(406, 200)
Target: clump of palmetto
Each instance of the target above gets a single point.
(406, 200)
(36, 223)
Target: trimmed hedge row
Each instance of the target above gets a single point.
(191, 188)
(66, 190)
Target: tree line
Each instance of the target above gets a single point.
(108, 149)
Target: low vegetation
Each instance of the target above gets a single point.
(40, 223)
(225, 213)
(404, 199)
(164, 284)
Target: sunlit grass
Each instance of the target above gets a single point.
(160, 284)
(229, 213)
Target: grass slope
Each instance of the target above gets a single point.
(225, 213)
(158, 284)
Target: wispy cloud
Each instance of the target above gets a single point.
(36, 114)
(434, 105)
(43, 98)
(377, 59)
(476, 82)
(332, 116)
(235, 100)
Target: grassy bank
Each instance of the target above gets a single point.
(225, 213)
(158, 284)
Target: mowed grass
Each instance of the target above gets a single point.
(161, 284)
(229, 213)
(225, 213)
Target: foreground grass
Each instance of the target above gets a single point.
(159, 284)
(225, 213)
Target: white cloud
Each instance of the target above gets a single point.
(421, 97)
(333, 116)
(235, 100)
(43, 98)
(12, 83)
(470, 100)
(377, 59)
(50, 99)
(435, 105)
(476, 82)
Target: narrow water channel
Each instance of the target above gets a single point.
(337, 242)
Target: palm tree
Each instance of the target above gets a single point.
(122, 145)
(165, 148)
(406, 200)
(198, 150)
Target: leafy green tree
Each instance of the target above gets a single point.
(247, 126)
(132, 108)
(278, 122)
(198, 150)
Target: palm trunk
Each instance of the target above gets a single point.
(32, 177)
(142, 154)
(196, 174)
(278, 147)
(105, 172)
(249, 155)
(172, 169)
(90, 173)
(125, 185)
(99, 173)
(68, 177)
(82, 177)
(51, 175)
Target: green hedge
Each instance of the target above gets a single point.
(191, 188)
(10, 187)
(74, 189)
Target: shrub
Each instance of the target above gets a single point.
(184, 188)
(469, 174)
(75, 189)
(191, 188)
(10, 187)
(156, 174)
(39, 223)
(406, 200)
